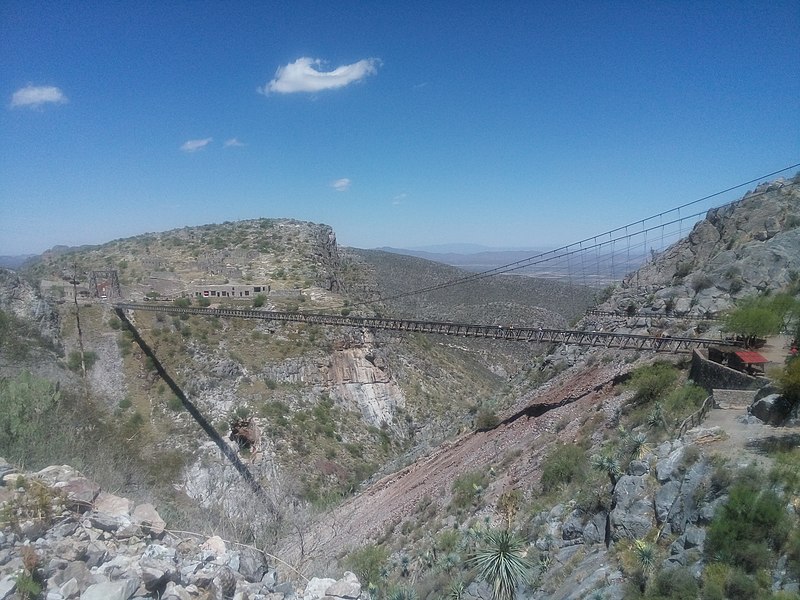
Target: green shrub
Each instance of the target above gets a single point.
(448, 541)
(28, 411)
(793, 550)
(674, 584)
(74, 360)
(175, 404)
(701, 282)
(259, 300)
(786, 470)
(486, 419)
(747, 528)
(789, 380)
(564, 465)
(651, 382)
(467, 489)
(685, 400)
(682, 270)
(367, 563)
(740, 586)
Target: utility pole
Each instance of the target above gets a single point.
(78, 324)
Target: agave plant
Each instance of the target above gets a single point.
(402, 593)
(501, 563)
(609, 465)
(656, 417)
(639, 446)
(457, 589)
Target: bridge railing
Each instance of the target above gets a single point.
(696, 417)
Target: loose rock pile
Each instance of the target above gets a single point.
(62, 534)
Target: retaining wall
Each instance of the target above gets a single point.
(711, 375)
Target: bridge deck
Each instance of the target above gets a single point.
(622, 341)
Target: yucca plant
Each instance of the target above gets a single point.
(645, 555)
(501, 563)
(656, 417)
(457, 589)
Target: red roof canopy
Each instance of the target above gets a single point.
(751, 358)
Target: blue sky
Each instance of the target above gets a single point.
(399, 124)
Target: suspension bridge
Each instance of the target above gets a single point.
(622, 341)
(596, 260)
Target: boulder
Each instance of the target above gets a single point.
(773, 409)
(112, 505)
(632, 516)
(667, 468)
(664, 499)
(80, 492)
(348, 587)
(111, 590)
(146, 516)
(317, 587)
(594, 532)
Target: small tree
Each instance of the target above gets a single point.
(756, 318)
(789, 380)
(367, 563)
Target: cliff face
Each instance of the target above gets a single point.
(360, 376)
(22, 300)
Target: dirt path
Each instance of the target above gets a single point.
(744, 442)
(776, 349)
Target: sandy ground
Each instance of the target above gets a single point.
(776, 349)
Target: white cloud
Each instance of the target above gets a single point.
(399, 199)
(341, 185)
(195, 145)
(232, 143)
(303, 76)
(36, 95)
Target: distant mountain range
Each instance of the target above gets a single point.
(15, 262)
(470, 257)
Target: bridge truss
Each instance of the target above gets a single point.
(621, 341)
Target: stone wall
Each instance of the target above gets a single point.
(711, 375)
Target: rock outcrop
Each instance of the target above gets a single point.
(20, 299)
(748, 246)
(63, 534)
